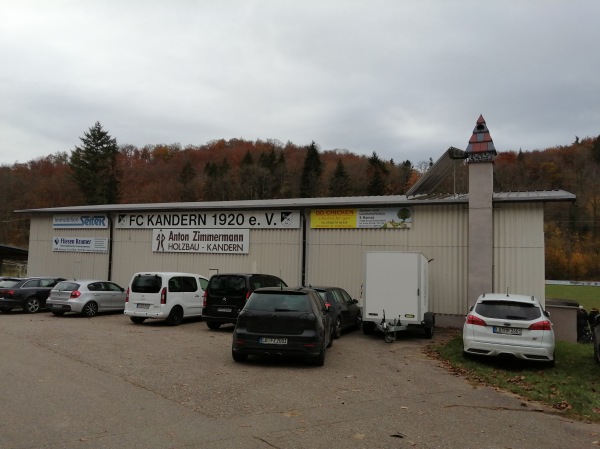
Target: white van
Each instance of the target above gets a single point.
(169, 296)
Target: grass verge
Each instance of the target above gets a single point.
(571, 387)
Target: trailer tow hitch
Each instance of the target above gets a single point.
(388, 329)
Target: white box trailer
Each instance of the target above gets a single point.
(396, 293)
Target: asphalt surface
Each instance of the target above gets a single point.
(72, 382)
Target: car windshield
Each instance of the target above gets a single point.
(508, 310)
(278, 302)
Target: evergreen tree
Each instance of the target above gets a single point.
(311, 173)
(377, 173)
(596, 150)
(339, 184)
(94, 166)
(186, 176)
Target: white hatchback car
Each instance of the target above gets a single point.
(509, 324)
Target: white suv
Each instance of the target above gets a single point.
(169, 296)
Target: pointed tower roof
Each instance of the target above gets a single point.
(481, 146)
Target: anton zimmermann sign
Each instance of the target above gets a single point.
(212, 241)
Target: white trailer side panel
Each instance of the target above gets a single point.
(397, 283)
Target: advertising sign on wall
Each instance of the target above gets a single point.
(211, 220)
(80, 244)
(98, 221)
(368, 218)
(212, 241)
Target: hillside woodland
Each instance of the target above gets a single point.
(240, 169)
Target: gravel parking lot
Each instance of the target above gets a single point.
(74, 382)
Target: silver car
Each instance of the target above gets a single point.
(87, 297)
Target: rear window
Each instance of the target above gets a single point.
(7, 283)
(146, 284)
(507, 310)
(66, 286)
(278, 302)
(227, 285)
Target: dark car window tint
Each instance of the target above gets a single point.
(175, 285)
(227, 285)
(278, 303)
(111, 287)
(188, 284)
(345, 296)
(31, 284)
(271, 281)
(93, 287)
(337, 298)
(146, 284)
(48, 282)
(508, 310)
(203, 283)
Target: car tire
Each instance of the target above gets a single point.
(358, 323)
(137, 319)
(213, 325)
(5, 310)
(330, 343)
(337, 328)
(552, 363)
(57, 312)
(239, 357)
(32, 305)
(428, 328)
(175, 316)
(320, 359)
(90, 309)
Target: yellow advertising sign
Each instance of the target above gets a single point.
(366, 218)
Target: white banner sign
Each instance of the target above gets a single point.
(213, 241)
(80, 244)
(211, 220)
(80, 222)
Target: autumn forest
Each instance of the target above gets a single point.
(98, 171)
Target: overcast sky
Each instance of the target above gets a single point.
(406, 79)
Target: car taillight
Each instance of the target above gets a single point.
(327, 305)
(472, 319)
(247, 295)
(127, 295)
(541, 326)
(75, 294)
(163, 296)
(204, 299)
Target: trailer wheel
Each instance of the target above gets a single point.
(429, 324)
(368, 327)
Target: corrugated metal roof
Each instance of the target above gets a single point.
(296, 203)
(436, 174)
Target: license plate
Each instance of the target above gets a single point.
(143, 306)
(273, 341)
(224, 309)
(507, 330)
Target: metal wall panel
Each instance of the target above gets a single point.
(519, 265)
(42, 261)
(335, 256)
(271, 251)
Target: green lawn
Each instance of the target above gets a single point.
(587, 296)
(572, 387)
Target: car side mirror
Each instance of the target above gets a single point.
(547, 314)
(355, 301)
